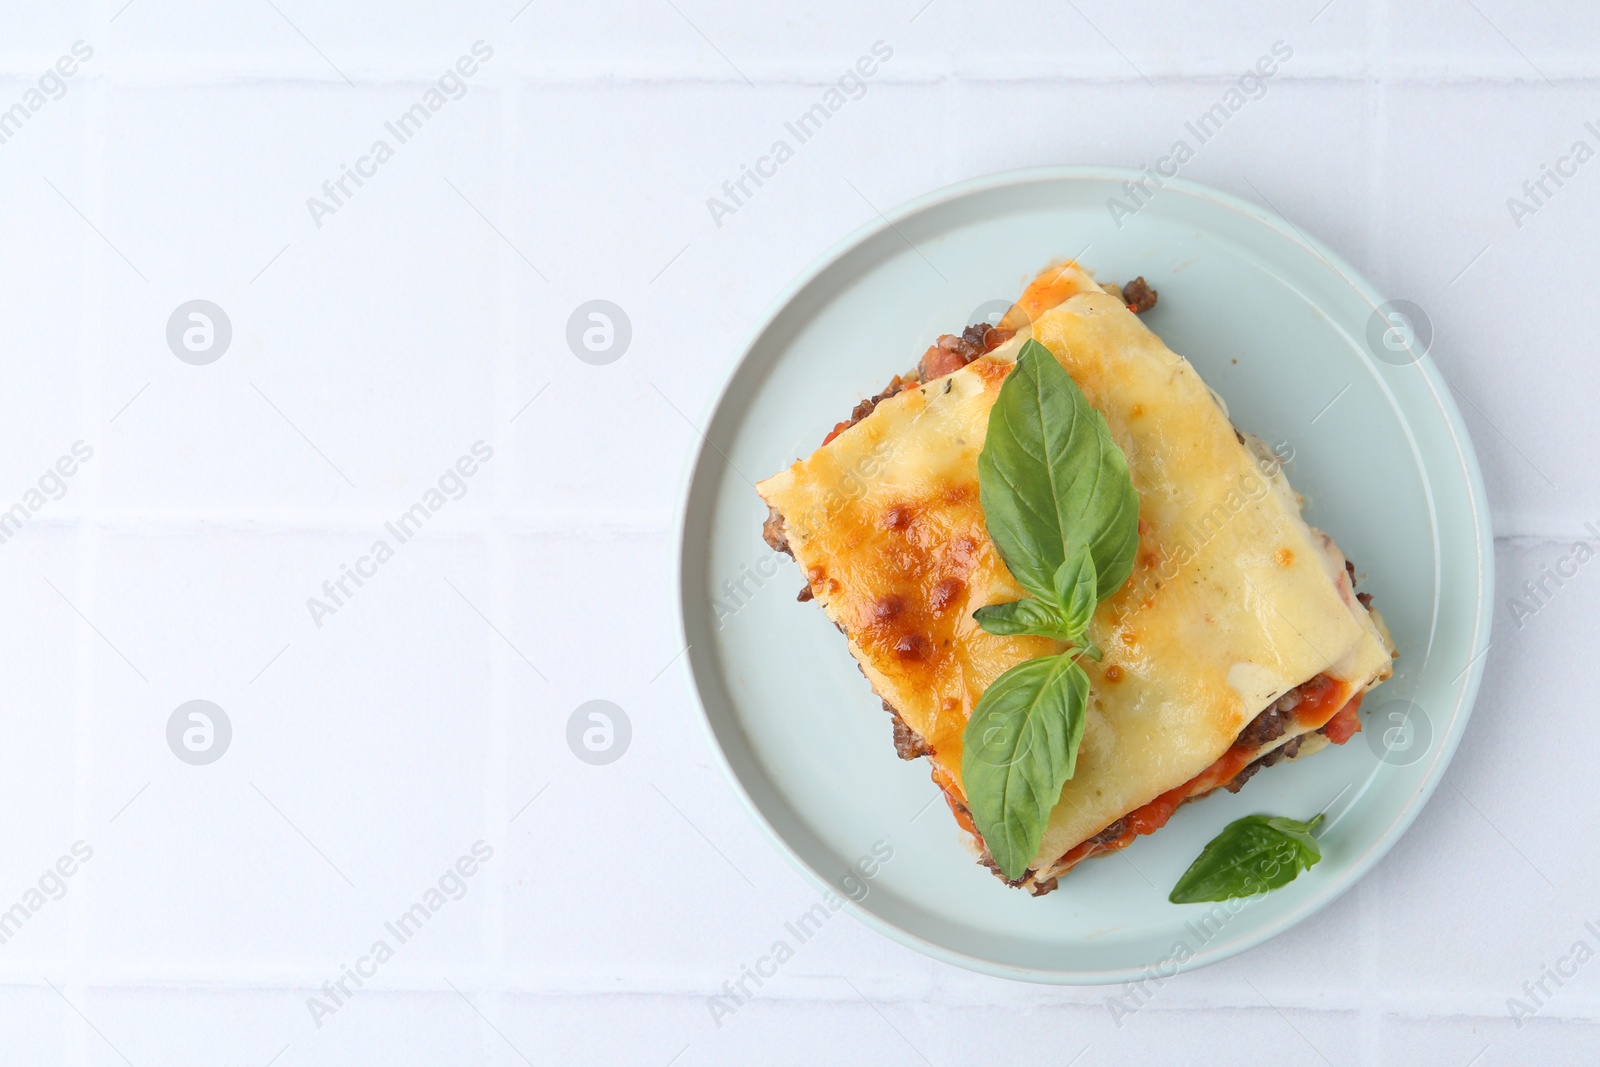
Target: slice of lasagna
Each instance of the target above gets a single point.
(1238, 641)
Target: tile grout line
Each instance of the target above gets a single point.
(77, 1040)
(501, 548)
(1481, 1003)
(157, 75)
(598, 520)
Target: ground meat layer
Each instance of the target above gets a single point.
(908, 744)
(865, 408)
(950, 353)
(1138, 295)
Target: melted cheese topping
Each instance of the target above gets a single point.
(1233, 601)
(1053, 286)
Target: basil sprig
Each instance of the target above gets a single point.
(1063, 616)
(1250, 856)
(1061, 509)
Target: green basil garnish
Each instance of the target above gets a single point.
(1077, 588)
(1050, 477)
(1250, 856)
(1020, 747)
(1061, 509)
(1027, 616)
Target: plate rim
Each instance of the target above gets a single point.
(1477, 501)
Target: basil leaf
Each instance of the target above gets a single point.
(1063, 618)
(1250, 856)
(1019, 748)
(1075, 590)
(1026, 616)
(1050, 476)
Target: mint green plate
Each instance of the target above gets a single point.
(1306, 355)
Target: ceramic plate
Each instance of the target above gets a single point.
(1305, 353)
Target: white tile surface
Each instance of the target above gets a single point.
(430, 711)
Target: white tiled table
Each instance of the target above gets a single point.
(369, 352)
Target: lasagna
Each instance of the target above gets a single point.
(1238, 641)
